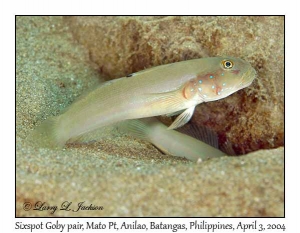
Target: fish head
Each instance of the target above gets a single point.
(221, 77)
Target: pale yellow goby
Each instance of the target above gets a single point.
(161, 90)
(172, 142)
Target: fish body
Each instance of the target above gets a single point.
(172, 142)
(156, 91)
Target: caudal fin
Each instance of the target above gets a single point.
(48, 134)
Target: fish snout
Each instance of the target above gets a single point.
(248, 77)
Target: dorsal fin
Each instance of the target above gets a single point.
(227, 148)
(202, 133)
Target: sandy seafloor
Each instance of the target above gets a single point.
(126, 176)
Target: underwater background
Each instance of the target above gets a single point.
(59, 58)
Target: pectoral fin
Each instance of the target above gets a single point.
(166, 100)
(174, 113)
(183, 118)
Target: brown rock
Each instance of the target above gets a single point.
(251, 119)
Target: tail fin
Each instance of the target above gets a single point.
(48, 134)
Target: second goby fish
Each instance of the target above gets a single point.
(161, 90)
(172, 142)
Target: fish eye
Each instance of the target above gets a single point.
(227, 64)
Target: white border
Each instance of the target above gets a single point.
(139, 7)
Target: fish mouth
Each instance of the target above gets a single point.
(247, 77)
